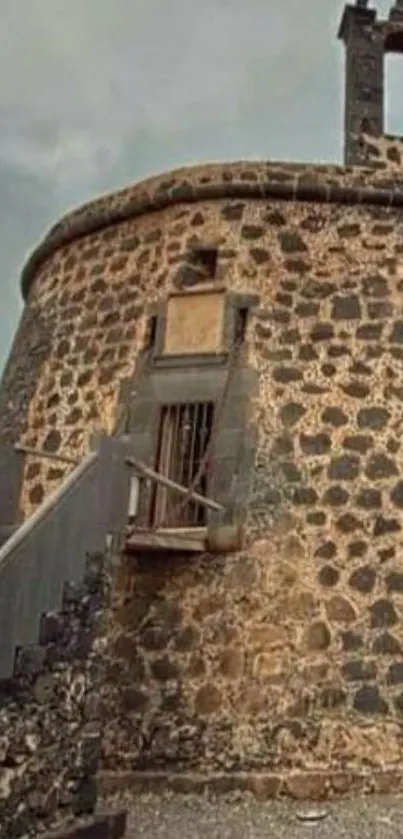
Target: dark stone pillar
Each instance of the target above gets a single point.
(364, 90)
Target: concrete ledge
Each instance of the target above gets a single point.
(106, 826)
(310, 785)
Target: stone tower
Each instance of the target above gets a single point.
(367, 40)
(258, 306)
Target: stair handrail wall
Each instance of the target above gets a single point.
(50, 547)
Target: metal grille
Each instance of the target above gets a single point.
(184, 434)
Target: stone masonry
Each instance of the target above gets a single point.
(50, 714)
(287, 655)
(367, 41)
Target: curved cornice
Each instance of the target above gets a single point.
(245, 181)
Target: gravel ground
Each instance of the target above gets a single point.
(243, 817)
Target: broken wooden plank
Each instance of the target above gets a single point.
(152, 541)
(152, 475)
(41, 453)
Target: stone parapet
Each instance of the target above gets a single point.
(238, 180)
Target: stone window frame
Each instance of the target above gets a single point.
(200, 378)
(234, 302)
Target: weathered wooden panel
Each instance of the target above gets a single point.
(195, 324)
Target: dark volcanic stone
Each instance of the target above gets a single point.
(259, 255)
(52, 441)
(134, 699)
(369, 331)
(304, 496)
(394, 581)
(386, 644)
(291, 242)
(346, 308)
(291, 413)
(322, 332)
(356, 389)
(32, 471)
(375, 286)
(359, 670)
(164, 669)
(276, 218)
(315, 444)
(359, 369)
(283, 445)
(363, 579)
(233, 211)
(344, 468)
(332, 697)
(197, 220)
(369, 499)
(396, 496)
(378, 309)
(337, 351)
(357, 548)
(383, 614)
(280, 316)
(368, 700)
(318, 636)
(307, 352)
(290, 336)
(307, 309)
(36, 494)
(380, 466)
(336, 496)
(384, 526)
(386, 554)
(290, 472)
(251, 231)
(285, 375)
(395, 673)
(351, 641)
(373, 417)
(327, 550)
(396, 336)
(317, 518)
(348, 523)
(312, 289)
(334, 416)
(311, 387)
(328, 369)
(358, 443)
(349, 231)
(328, 576)
(297, 265)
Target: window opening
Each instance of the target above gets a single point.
(184, 435)
(241, 323)
(151, 332)
(393, 86)
(206, 258)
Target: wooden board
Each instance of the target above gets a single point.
(195, 324)
(165, 541)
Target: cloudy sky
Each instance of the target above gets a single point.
(95, 94)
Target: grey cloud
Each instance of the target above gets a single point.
(98, 93)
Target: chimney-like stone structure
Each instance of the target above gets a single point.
(367, 40)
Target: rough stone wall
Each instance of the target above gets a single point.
(88, 298)
(290, 653)
(49, 714)
(386, 150)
